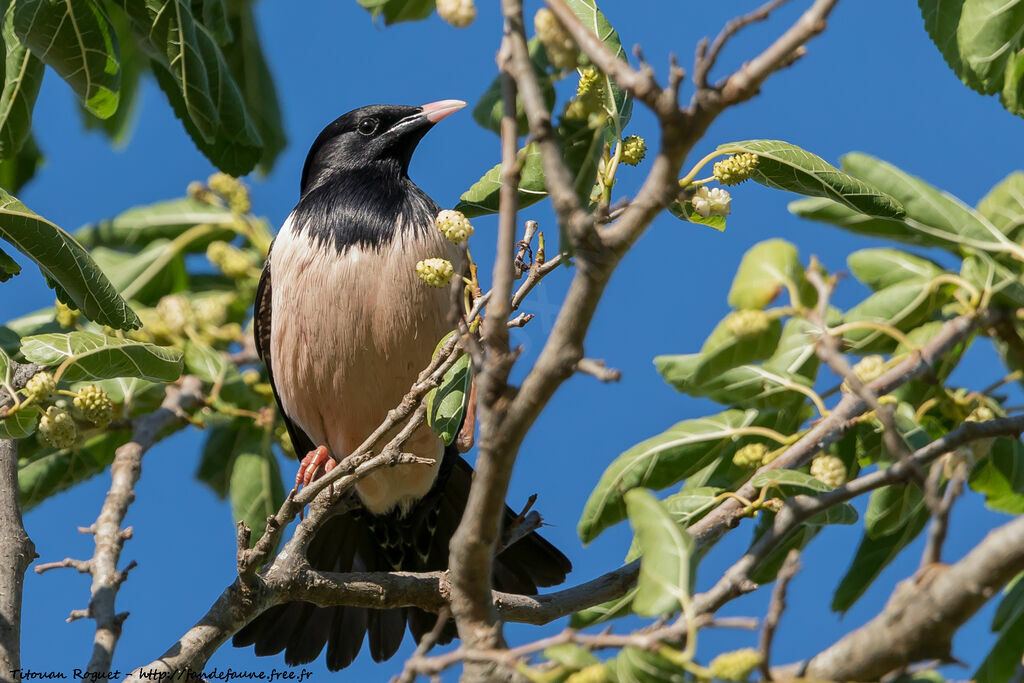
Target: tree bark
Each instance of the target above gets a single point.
(16, 553)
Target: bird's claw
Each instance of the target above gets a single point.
(317, 463)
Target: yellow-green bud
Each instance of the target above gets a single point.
(595, 673)
(458, 13)
(95, 405)
(66, 316)
(232, 190)
(40, 386)
(559, 45)
(589, 96)
(175, 312)
(748, 322)
(736, 665)
(230, 260)
(772, 504)
(867, 370)
(57, 429)
(228, 332)
(735, 169)
(436, 272)
(711, 202)
(250, 376)
(633, 150)
(212, 311)
(973, 451)
(751, 455)
(454, 225)
(829, 470)
(201, 193)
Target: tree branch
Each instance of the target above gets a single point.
(16, 553)
(107, 532)
(921, 617)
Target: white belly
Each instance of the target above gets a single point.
(349, 335)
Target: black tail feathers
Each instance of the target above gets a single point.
(418, 541)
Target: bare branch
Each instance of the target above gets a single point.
(705, 60)
(597, 368)
(932, 554)
(745, 83)
(921, 617)
(775, 609)
(108, 535)
(16, 553)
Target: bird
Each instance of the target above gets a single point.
(344, 326)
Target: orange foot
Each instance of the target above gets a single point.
(316, 464)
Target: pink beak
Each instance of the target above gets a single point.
(435, 111)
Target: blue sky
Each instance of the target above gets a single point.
(873, 83)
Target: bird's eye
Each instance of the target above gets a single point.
(367, 126)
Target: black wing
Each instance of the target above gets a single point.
(261, 332)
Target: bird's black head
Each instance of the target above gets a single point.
(382, 135)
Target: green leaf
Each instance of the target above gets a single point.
(1004, 658)
(20, 424)
(684, 211)
(768, 568)
(134, 64)
(204, 362)
(169, 33)
(664, 581)
(903, 306)
(91, 356)
(930, 211)
(77, 40)
(745, 386)
(617, 104)
(571, 656)
(787, 167)
(48, 471)
(255, 487)
(23, 74)
(1004, 205)
(633, 665)
(685, 508)
(19, 169)
(489, 109)
(225, 440)
(795, 353)
(1000, 477)
(215, 18)
(658, 462)
(191, 70)
(842, 216)
(982, 42)
(63, 260)
(446, 404)
(251, 72)
(724, 349)
(482, 197)
(235, 145)
(395, 11)
(146, 276)
(140, 225)
(766, 269)
(883, 267)
(8, 266)
(606, 611)
(985, 273)
(892, 507)
(872, 556)
(789, 482)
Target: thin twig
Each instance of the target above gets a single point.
(775, 609)
(705, 61)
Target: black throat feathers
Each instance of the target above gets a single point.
(367, 207)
